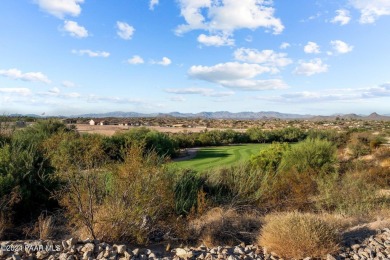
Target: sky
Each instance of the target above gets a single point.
(71, 57)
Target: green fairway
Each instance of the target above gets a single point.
(214, 157)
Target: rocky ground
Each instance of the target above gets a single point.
(376, 246)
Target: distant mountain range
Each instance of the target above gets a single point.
(206, 115)
(239, 115)
(223, 115)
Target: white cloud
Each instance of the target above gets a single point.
(254, 85)
(371, 10)
(61, 8)
(284, 45)
(125, 31)
(227, 71)
(206, 92)
(164, 62)
(228, 15)
(152, 4)
(341, 47)
(216, 40)
(310, 68)
(178, 99)
(72, 95)
(16, 91)
(333, 95)
(136, 60)
(236, 75)
(75, 30)
(92, 54)
(68, 84)
(343, 17)
(267, 57)
(312, 47)
(29, 76)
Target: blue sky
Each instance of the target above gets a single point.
(69, 57)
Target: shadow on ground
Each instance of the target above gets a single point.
(357, 235)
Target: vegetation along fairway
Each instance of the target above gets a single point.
(221, 156)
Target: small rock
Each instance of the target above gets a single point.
(42, 254)
(238, 250)
(180, 252)
(355, 247)
(72, 241)
(136, 252)
(63, 256)
(121, 249)
(89, 247)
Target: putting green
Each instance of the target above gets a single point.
(222, 156)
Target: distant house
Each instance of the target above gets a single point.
(91, 122)
(103, 122)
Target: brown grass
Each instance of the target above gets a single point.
(298, 235)
(221, 226)
(45, 227)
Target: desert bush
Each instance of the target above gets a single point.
(379, 176)
(359, 144)
(297, 235)
(24, 167)
(142, 195)
(311, 155)
(349, 194)
(339, 139)
(243, 185)
(149, 139)
(187, 188)
(289, 134)
(238, 184)
(70, 151)
(82, 193)
(7, 201)
(220, 226)
(269, 159)
(383, 153)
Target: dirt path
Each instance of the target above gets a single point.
(187, 154)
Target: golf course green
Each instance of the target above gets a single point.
(223, 156)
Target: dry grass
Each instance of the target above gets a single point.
(221, 226)
(45, 227)
(298, 235)
(4, 224)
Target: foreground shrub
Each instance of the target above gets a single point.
(359, 144)
(297, 235)
(140, 196)
(269, 158)
(351, 193)
(188, 187)
(6, 212)
(311, 155)
(243, 185)
(220, 226)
